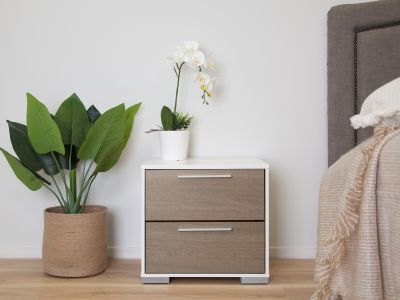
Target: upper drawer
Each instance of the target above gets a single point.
(183, 195)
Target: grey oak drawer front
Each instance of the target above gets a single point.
(205, 247)
(185, 195)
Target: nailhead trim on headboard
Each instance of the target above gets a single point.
(356, 32)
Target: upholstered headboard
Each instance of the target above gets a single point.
(363, 54)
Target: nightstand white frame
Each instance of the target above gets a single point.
(207, 164)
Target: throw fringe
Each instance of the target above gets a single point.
(347, 220)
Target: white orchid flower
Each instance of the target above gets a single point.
(189, 54)
(177, 57)
(209, 63)
(210, 87)
(190, 46)
(202, 78)
(206, 85)
(194, 59)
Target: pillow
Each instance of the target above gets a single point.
(381, 106)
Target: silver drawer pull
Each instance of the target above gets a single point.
(205, 176)
(204, 229)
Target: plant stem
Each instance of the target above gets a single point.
(72, 184)
(59, 191)
(81, 192)
(90, 167)
(87, 182)
(87, 193)
(177, 88)
(58, 198)
(67, 190)
(83, 174)
(83, 183)
(72, 175)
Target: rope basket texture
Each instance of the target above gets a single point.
(75, 245)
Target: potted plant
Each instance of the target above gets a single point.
(174, 133)
(65, 153)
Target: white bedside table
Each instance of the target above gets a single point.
(205, 218)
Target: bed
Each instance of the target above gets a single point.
(358, 249)
(363, 53)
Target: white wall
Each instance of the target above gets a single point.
(270, 102)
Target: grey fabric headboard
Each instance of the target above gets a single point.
(363, 54)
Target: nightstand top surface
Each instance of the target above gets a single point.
(207, 163)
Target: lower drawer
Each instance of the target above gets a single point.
(205, 247)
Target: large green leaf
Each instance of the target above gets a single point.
(26, 176)
(72, 120)
(105, 134)
(42, 178)
(109, 159)
(22, 146)
(43, 131)
(93, 114)
(29, 158)
(50, 166)
(130, 114)
(34, 161)
(167, 118)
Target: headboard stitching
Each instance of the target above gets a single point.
(356, 32)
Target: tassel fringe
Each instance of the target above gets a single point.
(346, 222)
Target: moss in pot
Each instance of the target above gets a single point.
(65, 153)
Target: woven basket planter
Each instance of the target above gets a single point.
(75, 245)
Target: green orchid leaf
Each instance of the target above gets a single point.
(167, 118)
(25, 175)
(22, 146)
(72, 120)
(93, 114)
(43, 131)
(109, 159)
(105, 134)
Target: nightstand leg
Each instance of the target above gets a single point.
(254, 280)
(155, 280)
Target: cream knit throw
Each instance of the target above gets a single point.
(355, 236)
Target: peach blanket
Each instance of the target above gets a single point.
(358, 249)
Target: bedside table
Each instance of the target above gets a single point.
(205, 218)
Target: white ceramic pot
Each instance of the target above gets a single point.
(174, 144)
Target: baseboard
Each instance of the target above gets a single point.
(20, 252)
(10, 252)
(124, 252)
(292, 252)
(134, 252)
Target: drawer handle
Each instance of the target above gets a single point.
(204, 176)
(204, 229)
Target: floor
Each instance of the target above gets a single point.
(24, 279)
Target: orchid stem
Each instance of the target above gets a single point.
(177, 88)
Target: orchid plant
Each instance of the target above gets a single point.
(189, 55)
